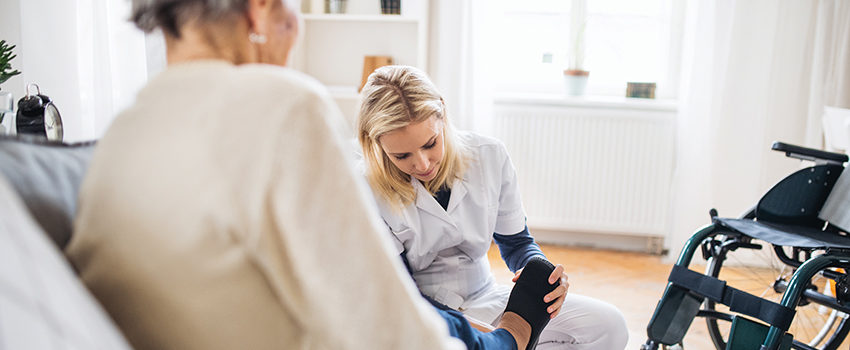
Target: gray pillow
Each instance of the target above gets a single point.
(43, 305)
(47, 176)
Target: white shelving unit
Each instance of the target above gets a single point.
(333, 46)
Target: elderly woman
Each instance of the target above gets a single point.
(221, 212)
(446, 196)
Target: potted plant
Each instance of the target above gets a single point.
(6, 99)
(575, 76)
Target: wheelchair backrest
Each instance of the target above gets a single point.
(836, 209)
(799, 197)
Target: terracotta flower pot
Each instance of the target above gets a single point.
(575, 81)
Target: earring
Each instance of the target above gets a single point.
(257, 38)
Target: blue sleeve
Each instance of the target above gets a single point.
(459, 327)
(406, 263)
(474, 339)
(517, 249)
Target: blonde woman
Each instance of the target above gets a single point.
(446, 195)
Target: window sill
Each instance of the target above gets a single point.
(606, 102)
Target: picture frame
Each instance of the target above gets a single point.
(640, 90)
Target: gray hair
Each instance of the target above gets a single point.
(170, 15)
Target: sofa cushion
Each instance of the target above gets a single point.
(43, 305)
(47, 176)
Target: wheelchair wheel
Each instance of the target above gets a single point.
(815, 325)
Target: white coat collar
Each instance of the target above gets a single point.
(426, 202)
(458, 192)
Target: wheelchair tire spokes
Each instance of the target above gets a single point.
(814, 327)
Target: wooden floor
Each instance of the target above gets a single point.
(633, 282)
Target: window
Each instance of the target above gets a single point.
(624, 40)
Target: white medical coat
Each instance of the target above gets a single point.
(447, 249)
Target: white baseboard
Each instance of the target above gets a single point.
(613, 241)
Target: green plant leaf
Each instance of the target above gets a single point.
(6, 56)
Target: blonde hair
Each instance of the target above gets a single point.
(393, 98)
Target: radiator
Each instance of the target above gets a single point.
(591, 168)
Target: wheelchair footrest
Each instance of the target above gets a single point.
(673, 315)
(750, 335)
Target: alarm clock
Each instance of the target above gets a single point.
(38, 115)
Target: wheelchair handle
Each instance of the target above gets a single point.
(810, 154)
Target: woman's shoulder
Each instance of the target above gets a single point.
(283, 87)
(482, 145)
(357, 156)
(276, 77)
(244, 78)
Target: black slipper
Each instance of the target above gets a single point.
(526, 298)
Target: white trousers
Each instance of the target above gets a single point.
(584, 323)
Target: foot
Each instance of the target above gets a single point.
(526, 298)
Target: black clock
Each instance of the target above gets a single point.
(37, 115)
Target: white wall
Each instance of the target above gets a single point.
(49, 59)
(44, 58)
(83, 54)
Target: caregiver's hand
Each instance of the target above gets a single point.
(559, 294)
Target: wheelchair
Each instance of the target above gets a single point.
(800, 299)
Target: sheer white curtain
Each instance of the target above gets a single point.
(458, 62)
(831, 68)
(754, 71)
(84, 54)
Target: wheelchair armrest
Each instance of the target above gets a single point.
(811, 154)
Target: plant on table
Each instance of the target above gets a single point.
(575, 74)
(6, 57)
(6, 72)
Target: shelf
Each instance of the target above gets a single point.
(333, 51)
(333, 46)
(359, 18)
